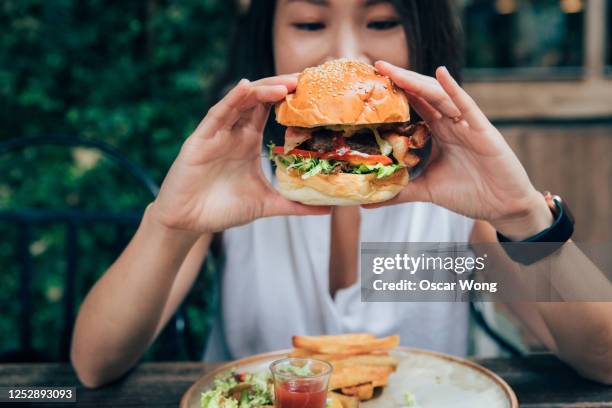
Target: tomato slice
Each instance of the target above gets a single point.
(357, 159)
(349, 156)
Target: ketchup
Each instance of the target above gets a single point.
(338, 142)
(300, 394)
(347, 155)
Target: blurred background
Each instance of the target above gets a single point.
(97, 97)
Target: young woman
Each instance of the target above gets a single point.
(292, 269)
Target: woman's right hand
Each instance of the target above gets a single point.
(216, 181)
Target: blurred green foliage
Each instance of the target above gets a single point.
(136, 74)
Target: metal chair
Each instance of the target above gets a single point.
(73, 220)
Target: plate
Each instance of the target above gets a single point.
(434, 379)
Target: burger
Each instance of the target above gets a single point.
(349, 139)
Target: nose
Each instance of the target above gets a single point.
(346, 44)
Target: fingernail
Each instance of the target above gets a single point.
(446, 72)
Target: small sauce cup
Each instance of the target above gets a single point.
(300, 382)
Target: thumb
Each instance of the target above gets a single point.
(415, 191)
(276, 204)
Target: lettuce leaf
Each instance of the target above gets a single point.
(303, 371)
(311, 166)
(409, 399)
(380, 169)
(385, 147)
(215, 399)
(259, 394)
(308, 166)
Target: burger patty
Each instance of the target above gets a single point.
(322, 140)
(403, 137)
(363, 142)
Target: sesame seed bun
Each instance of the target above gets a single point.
(339, 189)
(343, 92)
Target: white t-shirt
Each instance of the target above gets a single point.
(275, 284)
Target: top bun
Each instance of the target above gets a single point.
(343, 92)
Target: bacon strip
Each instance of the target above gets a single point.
(295, 137)
(419, 136)
(400, 144)
(402, 140)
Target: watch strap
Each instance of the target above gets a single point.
(556, 235)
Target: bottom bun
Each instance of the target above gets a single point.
(339, 189)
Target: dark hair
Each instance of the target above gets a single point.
(432, 32)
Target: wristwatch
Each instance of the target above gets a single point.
(552, 238)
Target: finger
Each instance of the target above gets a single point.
(270, 93)
(420, 85)
(415, 191)
(425, 110)
(255, 119)
(288, 80)
(263, 94)
(470, 111)
(260, 117)
(225, 112)
(260, 95)
(279, 205)
(241, 98)
(436, 152)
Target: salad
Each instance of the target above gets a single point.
(240, 390)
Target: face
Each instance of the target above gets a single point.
(310, 32)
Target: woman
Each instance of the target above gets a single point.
(292, 269)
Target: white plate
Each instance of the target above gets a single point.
(434, 379)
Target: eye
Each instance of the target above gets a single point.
(383, 24)
(309, 26)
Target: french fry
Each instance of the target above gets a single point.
(301, 353)
(381, 381)
(335, 401)
(346, 400)
(345, 346)
(315, 343)
(362, 391)
(362, 359)
(385, 343)
(361, 363)
(355, 375)
(375, 358)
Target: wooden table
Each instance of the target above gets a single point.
(539, 381)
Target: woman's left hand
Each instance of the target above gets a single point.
(474, 172)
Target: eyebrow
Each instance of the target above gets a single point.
(324, 3)
(369, 3)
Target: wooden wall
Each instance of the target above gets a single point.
(574, 161)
